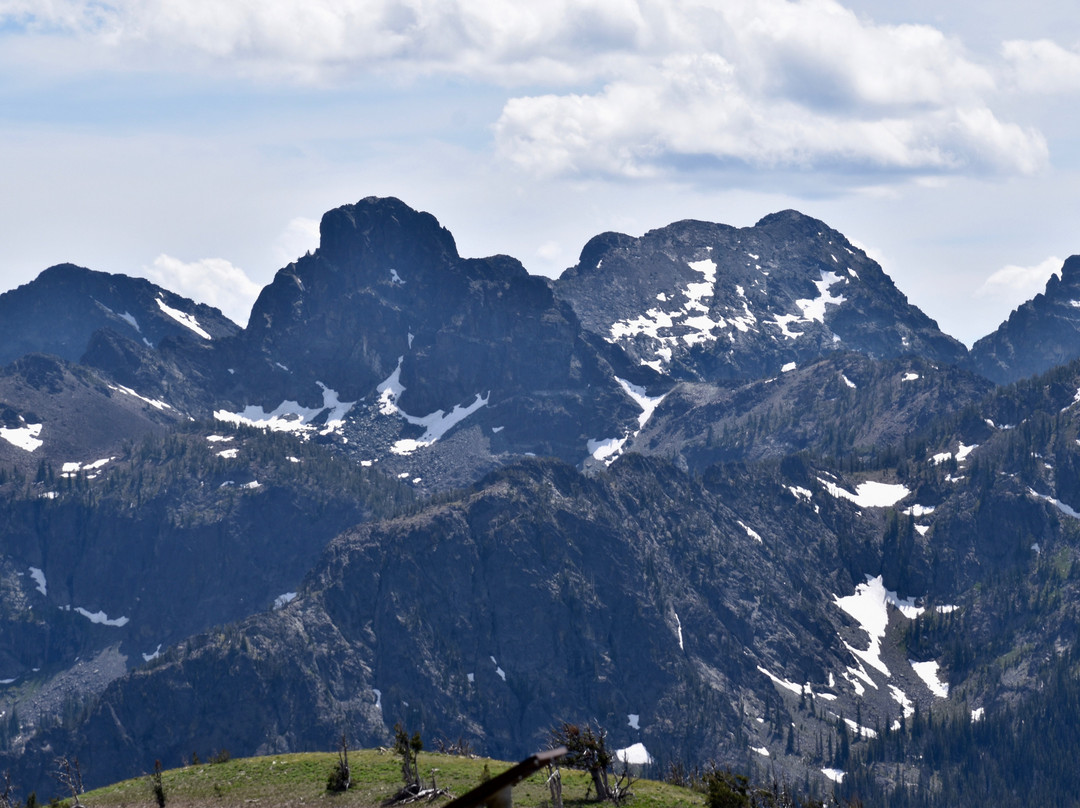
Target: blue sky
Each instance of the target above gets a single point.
(198, 142)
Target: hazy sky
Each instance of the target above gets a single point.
(197, 142)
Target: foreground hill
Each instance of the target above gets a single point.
(282, 780)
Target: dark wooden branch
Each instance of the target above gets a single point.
(496, 791)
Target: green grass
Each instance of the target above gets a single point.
(300, 779)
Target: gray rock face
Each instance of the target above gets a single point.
(710, 302)
(842, 404)
(1039, 335)
(59, 412)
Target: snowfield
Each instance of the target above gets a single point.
(23, 437)
(869, 494)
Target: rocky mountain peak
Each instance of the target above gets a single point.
(387, 315)
(705, 301)
(1070, 271)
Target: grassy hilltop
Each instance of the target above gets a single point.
(300, 779)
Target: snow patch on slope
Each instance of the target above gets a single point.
(291, 416)
(435, 424)
(869, 607)
(153, 402)
(23, 437)
(813, 310)
(693, 319)
(101, 618)
(634, 755)
(750, 531)
(869, 494)
(186, 320)
(607, 450)
(640, 395)
(930, 673)
(1057, 503)
(39, 579)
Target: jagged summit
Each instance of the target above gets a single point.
(708, 301)
(387, 304)
(1040, 334)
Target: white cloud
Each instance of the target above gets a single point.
(700, 111)
(1042, 66)
(822, 54)
(775, 84)
(1017, 284)
(299, 236)
(213, 281)
(500, 40)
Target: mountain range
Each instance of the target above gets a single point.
(723, 490)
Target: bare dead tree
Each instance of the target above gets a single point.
(341, 777)
(554, 783)
(621, 790)
(461, 747)
(69, 775)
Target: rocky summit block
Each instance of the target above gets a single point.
(387, 314)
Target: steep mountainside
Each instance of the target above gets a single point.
(128, 554)
(641, 597)
(53, 412)
(707, 302)
(58, 311)
(809, 614)
(1039, 335)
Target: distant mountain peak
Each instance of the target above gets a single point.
(789, 217)
(59, 310)
(1040, 334)
(1070, 270)
(705, 301)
